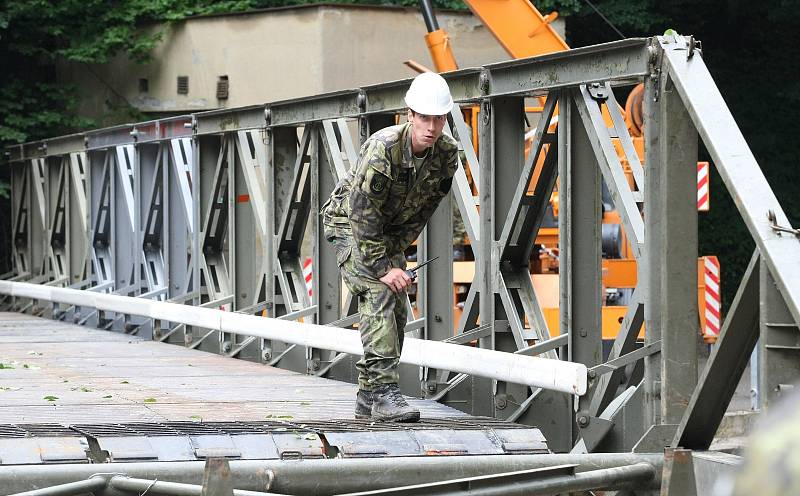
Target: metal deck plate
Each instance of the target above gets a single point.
(55, 372)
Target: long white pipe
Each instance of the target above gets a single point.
(555, 375)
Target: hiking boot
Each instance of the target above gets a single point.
(363, 404)
(388, 405)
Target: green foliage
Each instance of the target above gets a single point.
(37, 110)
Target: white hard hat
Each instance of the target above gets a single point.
(429, 95)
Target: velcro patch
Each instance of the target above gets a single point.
(445, 184)
(377, 184)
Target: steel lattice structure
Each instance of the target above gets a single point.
(212, 210)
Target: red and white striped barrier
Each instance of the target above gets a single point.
(713, 304)
(308, 274)
(703, 196)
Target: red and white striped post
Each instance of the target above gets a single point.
(308, 274)
(713, 303)
(703, 196)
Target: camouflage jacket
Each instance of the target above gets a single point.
(385, 201)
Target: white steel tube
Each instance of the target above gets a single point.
(555, 375)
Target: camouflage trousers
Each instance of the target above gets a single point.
(383, 313)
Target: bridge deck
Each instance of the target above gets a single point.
(55, 372)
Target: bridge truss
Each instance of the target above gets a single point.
(219, 209)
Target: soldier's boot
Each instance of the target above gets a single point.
(363, 404)
(388, 405)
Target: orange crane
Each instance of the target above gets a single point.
(524, 32)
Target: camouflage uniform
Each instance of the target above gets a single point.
(372, 216)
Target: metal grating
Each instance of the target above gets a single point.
(35, 430)
(12, 431)
(454, 423)
(265, 427)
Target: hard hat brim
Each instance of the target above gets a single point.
(429, 109)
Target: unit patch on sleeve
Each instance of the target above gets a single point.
(377, 184)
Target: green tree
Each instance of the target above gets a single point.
(35, 35)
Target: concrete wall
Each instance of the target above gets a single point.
(273, 55)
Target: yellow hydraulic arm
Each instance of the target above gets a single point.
(516, 24)
(519, 27)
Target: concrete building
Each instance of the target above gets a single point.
(234, 60)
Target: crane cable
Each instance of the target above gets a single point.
(590, 4)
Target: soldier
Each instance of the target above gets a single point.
(373, 215)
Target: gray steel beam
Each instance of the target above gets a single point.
(551, 480)
(678, 477)
(300, 111)
(580, 252)
(736, 165)
(526, 210)
(778, 344)
(179, 196)
(125, 222)
(63, 145)
(648, 269)
(192, 285)
(588, 102)
(110, 137)
(78, 185)
(482, 393)
(76, 488)
(20, 217)
(434, 296)
(101, 211)
(676, 262)
(512, 291)
(725, 367)
(58, 218)
(228, 120)
(328, 167)
(624, 61)
(39, 225)
(624, 343)
(152, 238)
(508, 136)
(282, 154)
(15, 153)
(134, 485)
(248, 218)
(163, 129)
(324, 477)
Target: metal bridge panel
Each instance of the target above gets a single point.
(737, 166)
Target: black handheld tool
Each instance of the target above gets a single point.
(412, 273)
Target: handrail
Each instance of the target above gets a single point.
(556, 375)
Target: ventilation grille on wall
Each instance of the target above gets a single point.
(222, 88)
(183, 85)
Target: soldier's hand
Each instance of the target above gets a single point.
(396, 279)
